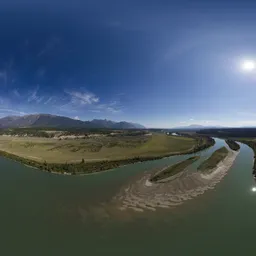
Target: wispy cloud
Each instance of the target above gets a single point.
(33, 95)
(247, 114)
(48, 100)
(199, 122)
(243, 123)
(5, 102)
(110, 107)
(11, 111)
(3, 77)
(208, 121)
(94, 110)
(49, 46)
(72, 103)
(80, 98)
(1, 101)
(247, 122)
(88, 101)
(76, 118)
(40, 99)
(16, 93)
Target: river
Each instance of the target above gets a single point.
(48, 214)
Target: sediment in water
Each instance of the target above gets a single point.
(142, 194)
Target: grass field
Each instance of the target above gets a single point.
(94, 149)
(174, 169)
(216, 157)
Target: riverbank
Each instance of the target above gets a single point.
(142, 194)
(98, 166)
(252, 145)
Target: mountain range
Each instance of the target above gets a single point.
(53, 121)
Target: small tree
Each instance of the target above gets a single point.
(82, 162)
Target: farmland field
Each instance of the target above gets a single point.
(94, 149)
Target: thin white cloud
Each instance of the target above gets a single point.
(16, 112)
(208, 121)
(1, 101)
(76, 118)
(94, 110)
(80, 98)
(199, 122)
(242, 123)
(39, 99)
(73, 102)
(247, 114)
(48, 100)
(112, 107)
(113, 110)
(49, 46)
(120, 94)
(5, 102)
(3, 77)
(33, 95)
(16, 93)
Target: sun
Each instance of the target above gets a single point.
(248, 65)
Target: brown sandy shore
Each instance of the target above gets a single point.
(143, 195)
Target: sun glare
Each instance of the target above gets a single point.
(254, 189)
(248, 65)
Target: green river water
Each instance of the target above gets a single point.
(48, 214)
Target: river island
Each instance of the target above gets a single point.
(172, 185)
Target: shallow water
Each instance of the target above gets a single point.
(47, 214)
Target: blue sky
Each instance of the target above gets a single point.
(158, 63)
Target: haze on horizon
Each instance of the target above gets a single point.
(159, 63)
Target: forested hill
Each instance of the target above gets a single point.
(230, 132)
